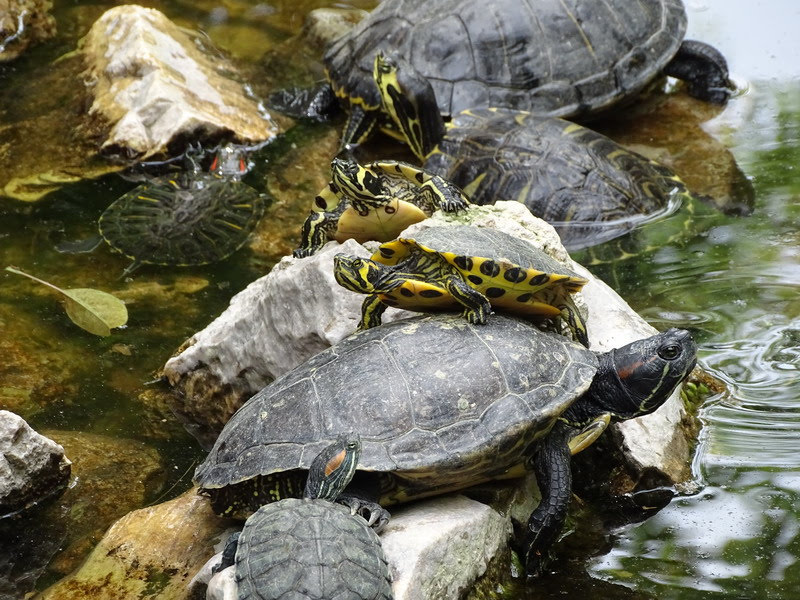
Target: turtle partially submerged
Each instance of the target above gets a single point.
(375, 201)
(587, 186)
(441, 405)
(566, 58)
(461, 266)
(194, 218)
(323, 552)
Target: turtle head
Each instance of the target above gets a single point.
(355, 181)
(638, 378)
(357, 274)
(333, 468)
(229, 161)
(408, 98)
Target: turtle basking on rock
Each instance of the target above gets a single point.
(472, 268)
(441, 405)
(311, 547)
(375, 201)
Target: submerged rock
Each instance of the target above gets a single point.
(22, 24)
(151, 553)
(33, 467)
(151, 84)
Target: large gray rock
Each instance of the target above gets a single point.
(150, 84)
(32, 467)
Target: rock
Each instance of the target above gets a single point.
(22, 24)
(151, 85)
(32, 467)
(148, 554)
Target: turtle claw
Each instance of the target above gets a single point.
(373, 513)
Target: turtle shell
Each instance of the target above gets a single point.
(587, 186)
(196, 222)
(512, 273)
(324, 552)
(439, 404)
(550, 57)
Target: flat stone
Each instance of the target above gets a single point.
(32, 466)
(151, 84)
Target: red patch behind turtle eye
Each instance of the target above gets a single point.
(214, 163)
(242, 165)
(627, 370)
(334, 463)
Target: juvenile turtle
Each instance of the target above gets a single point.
(462, 266)
(441, 405)
(194, 218)
(587, 186)
(375, 201)
(324, 551)
(566, 58)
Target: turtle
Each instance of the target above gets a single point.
(324, 551)
(565, 58)
(194, 218)
(463, 266)
(590, 188)
(440, 405)
(375, 201)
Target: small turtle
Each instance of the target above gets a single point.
(311, 547)
(195, 218)
(441, 405)
(587, 186)
(375, 201)
(471, 267)
(566, 58)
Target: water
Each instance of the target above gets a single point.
(733, 280)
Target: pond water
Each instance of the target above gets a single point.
(733, 278)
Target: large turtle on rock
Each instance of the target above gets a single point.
(566, 58)
(440, 405)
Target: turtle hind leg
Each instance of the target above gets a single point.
(704, 70)
(359, 126)
(551, 465)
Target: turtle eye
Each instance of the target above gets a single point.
(669, 352)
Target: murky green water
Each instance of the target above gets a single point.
(733, 280)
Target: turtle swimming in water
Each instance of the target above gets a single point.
(587, 186)
(441, 405)
(311, 547)
(565, 58)
(194, 218)
(375, 201)
(461, 266)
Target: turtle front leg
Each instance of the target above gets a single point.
(371, 311)
(477, 306)
(317, 230)
(437, 192)
(359, 126)
(704, 70)
(551, 465)
(373, 513)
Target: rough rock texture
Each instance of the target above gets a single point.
(149, 554)
(150, 84)
(323, 25)
(22, 24)
(32, 467)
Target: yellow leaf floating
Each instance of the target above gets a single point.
(95, 311)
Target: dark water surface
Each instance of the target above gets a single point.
(733, 280)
